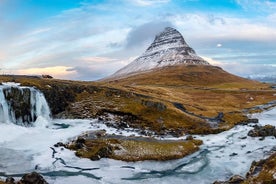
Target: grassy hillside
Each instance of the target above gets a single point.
(175, 100)
(187, 75)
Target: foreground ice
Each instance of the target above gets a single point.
(25, 149)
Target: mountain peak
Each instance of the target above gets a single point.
(168, 48)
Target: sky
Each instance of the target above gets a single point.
(91, 39)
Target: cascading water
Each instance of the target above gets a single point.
(22, 105)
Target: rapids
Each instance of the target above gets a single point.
(26, 148)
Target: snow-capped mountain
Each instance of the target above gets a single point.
(168, 48)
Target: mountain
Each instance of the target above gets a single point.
(169, 60)
(168, 48)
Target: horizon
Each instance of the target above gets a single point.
(92, 39)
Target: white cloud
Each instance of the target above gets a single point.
(200, 26)
(219, 45)
(149, 2)
(245, 69)
(258, 5)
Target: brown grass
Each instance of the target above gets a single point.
(202, 90)
(131, 149)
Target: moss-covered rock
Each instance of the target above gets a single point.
(97, 145)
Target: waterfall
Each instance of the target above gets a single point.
(22, 105)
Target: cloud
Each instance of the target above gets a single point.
(257, 5)
(95, 68)
(245, 69)
(199, 26)
(137, 36)
(60, 72)
(103, 36)
(149, 2)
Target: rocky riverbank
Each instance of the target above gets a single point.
(262, 172)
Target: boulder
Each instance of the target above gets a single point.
(262, 131)
(32, 178)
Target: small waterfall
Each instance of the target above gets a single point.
(22, 105)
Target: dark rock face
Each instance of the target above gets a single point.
(20, 103)
(262, 131)
(168, 48)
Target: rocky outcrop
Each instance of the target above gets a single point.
(262, 131)
(168, 48)
(96, 145)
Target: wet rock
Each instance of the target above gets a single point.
(100, 133)
(190, 137)
(248, 121)
(233, 154)
(59, 144)
(32, 178)
(262, 131)
(10, 180)
(255, 168)
(236, 179)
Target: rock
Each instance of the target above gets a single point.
(248, 121)
(262, 131)
(233, 154)
(190, 137)
(59, 144)
(157, 105)
(10, 180)
(100, 133)
(236, 179)
(32, 178)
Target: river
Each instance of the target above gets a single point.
(25, 149)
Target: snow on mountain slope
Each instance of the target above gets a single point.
(169, 48)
